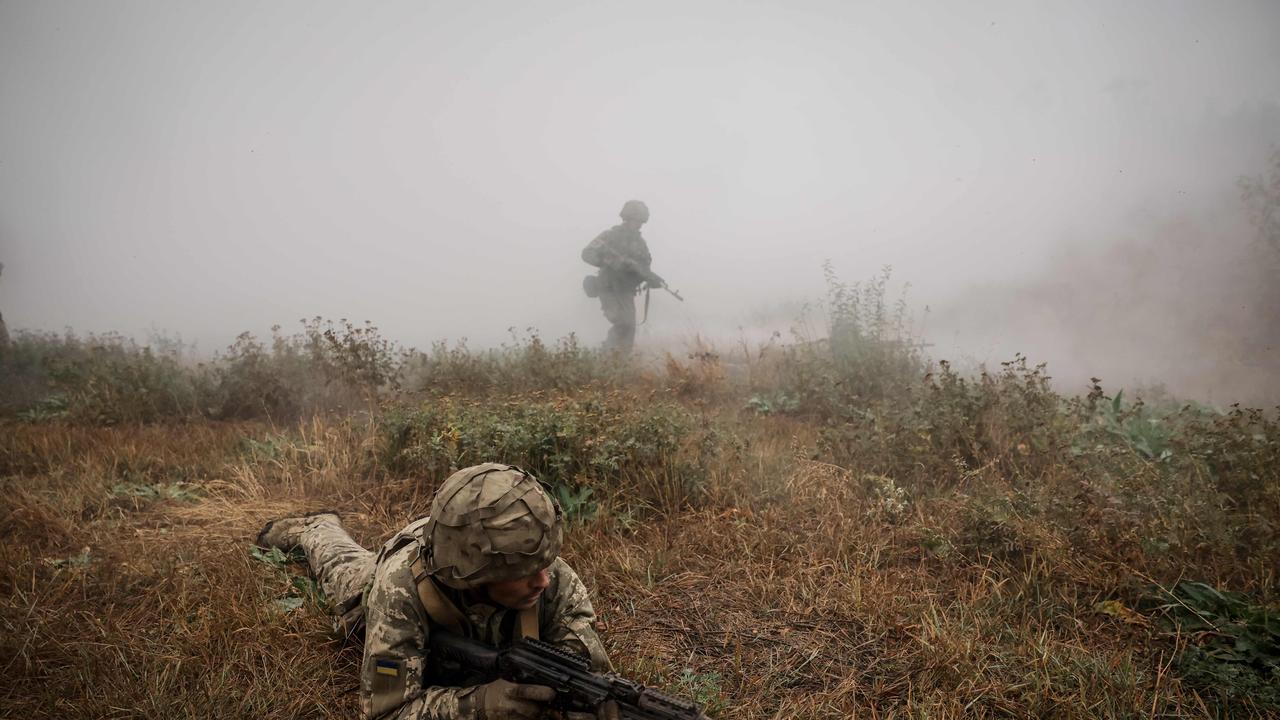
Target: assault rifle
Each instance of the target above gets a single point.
(578, 689)
(674, 293)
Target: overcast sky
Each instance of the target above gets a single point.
(212, 167)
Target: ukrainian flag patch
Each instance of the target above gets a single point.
(387, 667)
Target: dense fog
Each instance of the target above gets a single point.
(1061, 181)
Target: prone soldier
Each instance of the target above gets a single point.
(484, 564)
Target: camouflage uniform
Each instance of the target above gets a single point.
(397, 677)
(342, 566)
(623, 258)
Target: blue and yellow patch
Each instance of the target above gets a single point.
(387, 667)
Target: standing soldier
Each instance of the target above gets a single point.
(623, 258)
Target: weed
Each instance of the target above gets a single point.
(1234, 645)
(308, 591)
(1146, 433)
(891, 501)
(275, 557)
(302, 590)
(53, 407)
(255, 450)
(80, 560)
(180, 491)
(702, 377)
(704, 688)
(577, 504)
(764, 404)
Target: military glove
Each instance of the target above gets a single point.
(607, 711)
(505, 700)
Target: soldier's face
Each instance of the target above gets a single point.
(520, 593)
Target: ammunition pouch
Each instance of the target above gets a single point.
(591, 286)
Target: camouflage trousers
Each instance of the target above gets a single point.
(343, 567)
(619, 308)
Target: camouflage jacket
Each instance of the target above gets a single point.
(397, 677)
(622, 256)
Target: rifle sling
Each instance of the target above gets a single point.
(438, 607)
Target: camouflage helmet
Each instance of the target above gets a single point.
(635, 210)
(490, 523)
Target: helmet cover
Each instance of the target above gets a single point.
(634, 210)
(490, 523)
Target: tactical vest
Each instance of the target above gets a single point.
(439, 608)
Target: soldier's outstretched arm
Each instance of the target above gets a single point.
(395, 653)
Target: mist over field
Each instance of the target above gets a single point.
(1057, 182)
(801, 500)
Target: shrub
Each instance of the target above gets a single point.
(523, 365)
(868, 355)
(933, 433)
(1238, 450)
(328, 366)
(569, 443)
(107, 379)
(102, 379)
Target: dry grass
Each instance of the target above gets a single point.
(791, 591)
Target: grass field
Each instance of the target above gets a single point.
(816, 530)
